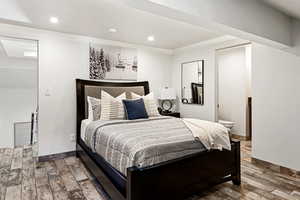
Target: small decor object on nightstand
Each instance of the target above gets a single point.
(167, 95)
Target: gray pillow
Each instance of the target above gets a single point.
(94, 106)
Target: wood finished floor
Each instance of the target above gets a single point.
(21, 178)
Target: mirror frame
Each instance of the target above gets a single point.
(183, 101)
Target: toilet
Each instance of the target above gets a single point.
(229, 125)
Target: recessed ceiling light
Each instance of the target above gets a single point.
(112, 30)
(151, 38)
(54, 20)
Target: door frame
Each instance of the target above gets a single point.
(217, 74)
(37, 75)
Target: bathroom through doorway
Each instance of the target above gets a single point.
(234, 98)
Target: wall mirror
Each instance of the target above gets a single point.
(192, 82)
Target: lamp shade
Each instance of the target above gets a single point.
(167, 94)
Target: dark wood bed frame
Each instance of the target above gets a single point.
(174, 179)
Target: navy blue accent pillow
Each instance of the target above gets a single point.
(135, 109)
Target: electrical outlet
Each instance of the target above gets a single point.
(72, 137)
(47, 92)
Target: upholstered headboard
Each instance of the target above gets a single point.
(95, 91)
(91, 88)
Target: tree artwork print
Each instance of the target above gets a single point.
(113, 62)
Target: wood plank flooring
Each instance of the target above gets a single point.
(21, 178)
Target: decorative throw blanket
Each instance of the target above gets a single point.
(145, 142)
(211, 134)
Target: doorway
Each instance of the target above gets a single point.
(19, 92)
(234, 98)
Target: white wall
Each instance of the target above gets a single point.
(276, 107)
(233, 88)
(63, 58)
(274, 88)
(16, 105)
(206, 52)
(155, 68)
(248, 54)
(206, 111)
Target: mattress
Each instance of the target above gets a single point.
(140, 143)
(84, 125)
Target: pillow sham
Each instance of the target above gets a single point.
(111, 107)
(135, 109)
(150, 103)
(94, 108)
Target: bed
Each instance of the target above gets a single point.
(173, 178)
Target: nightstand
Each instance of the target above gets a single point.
(172, 114)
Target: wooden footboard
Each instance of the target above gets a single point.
(180, 178)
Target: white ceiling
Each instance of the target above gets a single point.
(289, 7)
(95, 17)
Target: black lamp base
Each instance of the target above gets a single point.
(166, 111)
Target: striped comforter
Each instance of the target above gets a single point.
(141, 143)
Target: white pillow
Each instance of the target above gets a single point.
(112, 108)
(94, 108)
(150, 103)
